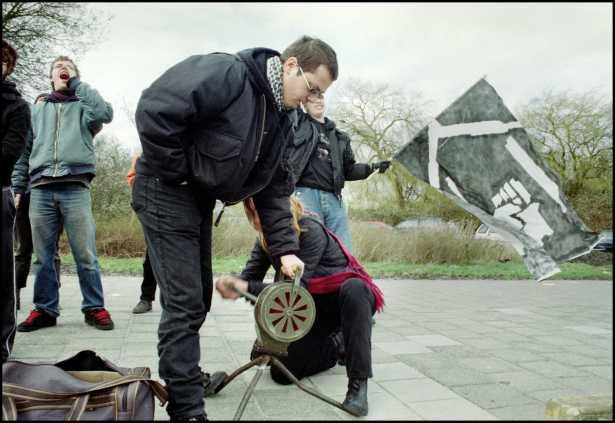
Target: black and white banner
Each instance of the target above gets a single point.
(479, 155)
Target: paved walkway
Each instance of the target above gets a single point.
(454, 350)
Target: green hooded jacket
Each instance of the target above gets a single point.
(62, 142)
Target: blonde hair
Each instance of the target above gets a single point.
(296, 210)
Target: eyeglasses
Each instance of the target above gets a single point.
(314, 91)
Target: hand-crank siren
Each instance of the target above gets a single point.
(284, 312)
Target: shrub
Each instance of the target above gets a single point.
(444, 245)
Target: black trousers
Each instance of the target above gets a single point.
(7, 274)
(23, 243)
(177, 226)
(351, 308)
(148, 286)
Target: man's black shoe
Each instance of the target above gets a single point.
(212, 383)
(197, 418)
(36, 320)
(356, 397)
(338, 341)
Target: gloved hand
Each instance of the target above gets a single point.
(381, 166)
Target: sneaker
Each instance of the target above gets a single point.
(212, 382)
(36, 320)
(99, 318)
(143, 306)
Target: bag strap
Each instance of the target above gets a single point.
(9, 409)
(18, 391)
(78, 408)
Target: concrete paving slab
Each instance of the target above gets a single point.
(489, 396)
(442, 409)
(457, 376)
(394, 371)
(415, 390)
(592, 330)
(432, 340)
(383, 406)
(534, 411)
(402, 347)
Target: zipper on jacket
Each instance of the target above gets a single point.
(260, 140)
(55, 144)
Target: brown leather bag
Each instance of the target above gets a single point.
(85, 386)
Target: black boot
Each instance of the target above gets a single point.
(356, 397)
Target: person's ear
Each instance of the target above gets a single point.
(290, 64)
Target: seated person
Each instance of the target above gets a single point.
(345, 299)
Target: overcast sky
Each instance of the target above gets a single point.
(439, 50)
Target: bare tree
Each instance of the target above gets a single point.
(380, 120)
(40, 31)
(574, 132)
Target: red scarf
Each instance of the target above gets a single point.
(331, 283)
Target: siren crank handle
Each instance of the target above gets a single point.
(243, 294)
(296, 281)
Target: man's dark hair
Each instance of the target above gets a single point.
(64, 59)
(311, 53)
(9, 55)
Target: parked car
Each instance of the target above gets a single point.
(606, 242)
(378, 225)
(425, 223)
(486, 232)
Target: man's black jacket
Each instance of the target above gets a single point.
(218, 99)
(345, 167)
(15, 128)
(318, 250)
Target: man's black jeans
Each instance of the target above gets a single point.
(177, 226)
(350, 309)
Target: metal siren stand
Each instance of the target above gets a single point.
(284, 312)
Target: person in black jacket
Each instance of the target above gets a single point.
(342, 300)
(322, 161)
(14, 130)
(215, 126)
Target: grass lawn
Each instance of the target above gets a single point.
(510, 270)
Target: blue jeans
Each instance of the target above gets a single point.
(49, 206)
(330, 209)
